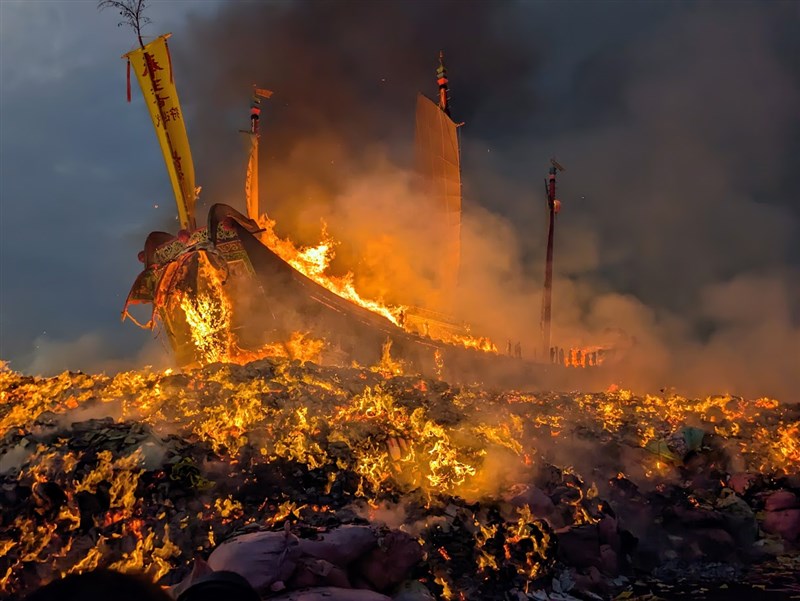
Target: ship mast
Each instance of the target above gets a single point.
(553, 207)
(251, 183)
(441, 79)
(452, 213)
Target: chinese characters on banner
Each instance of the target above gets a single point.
(153, 70)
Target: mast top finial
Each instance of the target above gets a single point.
(441, 79)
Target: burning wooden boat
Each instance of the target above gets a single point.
(220, 294)
(227, 292)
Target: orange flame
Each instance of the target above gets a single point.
(313, 262)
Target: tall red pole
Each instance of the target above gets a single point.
(547, 294)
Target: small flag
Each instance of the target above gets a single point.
(262, 92)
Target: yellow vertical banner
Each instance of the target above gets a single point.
(153, 68)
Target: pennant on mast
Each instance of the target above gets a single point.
(251, 181)
(152, 66)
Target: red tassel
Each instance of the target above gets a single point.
(169, 60)
(129, 80)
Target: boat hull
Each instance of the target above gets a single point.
(271, 300)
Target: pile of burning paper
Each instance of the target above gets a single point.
(396, 486)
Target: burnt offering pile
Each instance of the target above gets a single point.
(353, 483)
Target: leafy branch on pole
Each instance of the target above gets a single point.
(132, 13)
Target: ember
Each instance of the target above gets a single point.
(505, 493)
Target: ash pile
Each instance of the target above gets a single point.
(353, 483)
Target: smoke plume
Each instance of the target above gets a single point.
(678, 126)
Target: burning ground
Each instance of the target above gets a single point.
(509, 495)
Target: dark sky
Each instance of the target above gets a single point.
(679, 124)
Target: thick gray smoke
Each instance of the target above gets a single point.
(678, 124)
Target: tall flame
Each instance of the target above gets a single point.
(313, 262)
(209, 320)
